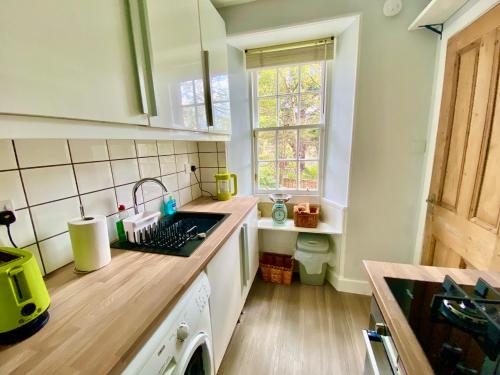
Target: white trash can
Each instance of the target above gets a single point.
(313, 254)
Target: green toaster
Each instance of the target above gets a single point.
(24, 299)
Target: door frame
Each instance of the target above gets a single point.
(457, 23)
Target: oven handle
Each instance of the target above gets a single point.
(392, 354)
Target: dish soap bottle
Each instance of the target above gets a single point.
(122, 214)
(171, 205)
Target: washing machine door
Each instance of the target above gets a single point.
(197, 358)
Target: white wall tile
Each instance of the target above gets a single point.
(121, 149)
(185, 196)
(193, 159)
(183, 179)
(207, 174)
(149, 167)
(208, 160)
(56, 252)
(93, 176)
(193, 178)
(21, 230)
(39, 152)
(12, 188)
(151, 191)
(100, 203)
(154, 205)
(192, 147)
(52, 218)
(207, 147)
(180, 161)
(166, 147)
(7, 157)
(84, 150)
(33, 249)
(124, 195)
(49, 183)
(167, 165)
(221, 159)
(146, 148)
(180, 147)
(125, 171)
(170, 182)
(221, 146)
(208, 186)
(195, 191)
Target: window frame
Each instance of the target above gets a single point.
(321, 127)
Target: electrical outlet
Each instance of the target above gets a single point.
(187, 168)
(7, 205)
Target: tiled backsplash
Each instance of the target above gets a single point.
(49, 179)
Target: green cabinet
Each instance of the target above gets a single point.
(70, 60)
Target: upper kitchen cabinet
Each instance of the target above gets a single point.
(213, 43)
(66, 61)
(172, 46)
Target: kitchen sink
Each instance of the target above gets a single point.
(178, 234)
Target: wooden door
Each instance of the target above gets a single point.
(462, 227)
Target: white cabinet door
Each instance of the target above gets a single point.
(72, 60)
(213, 42)
(176, 61)
(224, 274)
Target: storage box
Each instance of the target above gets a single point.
(306, 215)
(276, 268)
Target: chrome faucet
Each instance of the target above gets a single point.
(138, 184)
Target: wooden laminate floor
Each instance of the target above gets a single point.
(298, 330)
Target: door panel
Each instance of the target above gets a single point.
(459, 128)
(176, 64)
(213, 40)
(68, 60)
(464, 197)
(486, 206)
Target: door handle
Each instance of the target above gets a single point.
(246, 254)
(141, 37)
(205, 60)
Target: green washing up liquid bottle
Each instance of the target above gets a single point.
(122, 214)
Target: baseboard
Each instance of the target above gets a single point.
(348, 285)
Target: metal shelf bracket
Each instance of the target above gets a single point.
(435, 28)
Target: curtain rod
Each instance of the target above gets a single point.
(287, 46)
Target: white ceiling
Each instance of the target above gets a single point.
(226, 3)
(291, 34)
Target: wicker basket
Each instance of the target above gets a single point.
(305, 215)
(276, 268)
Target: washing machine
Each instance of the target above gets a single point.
(182, 345)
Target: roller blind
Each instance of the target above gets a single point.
(291, 53)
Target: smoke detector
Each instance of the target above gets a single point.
(392, 7)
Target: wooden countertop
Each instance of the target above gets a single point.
(410, 351)
(99, 321)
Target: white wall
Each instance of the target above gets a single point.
(392, 107)
(341, 115)
(473, 10)
(239, 150)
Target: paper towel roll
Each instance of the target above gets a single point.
(89, 239)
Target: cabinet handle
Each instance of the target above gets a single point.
(205, 60)
(139, 24)
(246, 254)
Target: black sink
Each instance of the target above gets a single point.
(178, 234)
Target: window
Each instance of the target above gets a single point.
(288, 126)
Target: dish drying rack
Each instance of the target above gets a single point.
(146, 229)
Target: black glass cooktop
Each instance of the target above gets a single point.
(456, 326)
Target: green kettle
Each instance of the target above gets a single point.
(223, 185)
